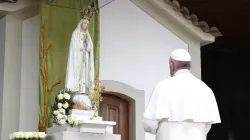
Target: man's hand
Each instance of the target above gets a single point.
(150, 126)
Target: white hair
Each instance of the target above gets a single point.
(181, 64)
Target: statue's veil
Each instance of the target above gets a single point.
(75, 41)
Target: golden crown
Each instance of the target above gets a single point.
(88, 12)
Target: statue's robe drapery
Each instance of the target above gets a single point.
(181, 108)
(80, 67)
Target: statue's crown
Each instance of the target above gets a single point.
(88, 12)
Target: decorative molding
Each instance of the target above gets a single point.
(193, 18)
(166, 14)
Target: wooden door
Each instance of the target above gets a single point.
(116, 109)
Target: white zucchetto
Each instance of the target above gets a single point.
(180, 55)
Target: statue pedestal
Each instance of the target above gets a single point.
(88, 130)
(82, 114)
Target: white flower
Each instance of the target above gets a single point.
(14, 135)
(11, 136)
(60, 96)
(59, 116)
(70, 120)
(65, 105)
(17, 135)
(22, 135)
(76, 122)
(73, 120)
(36, 135)
(62, 111)
(66, 96)
(56, 112)
(62, 121)
(32, 135)
(27, 135)
(59, 105)
(42, 135)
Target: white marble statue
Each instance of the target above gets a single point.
(80, 67)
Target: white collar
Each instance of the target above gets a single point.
(181, 71)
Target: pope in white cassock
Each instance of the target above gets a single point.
(181, 107)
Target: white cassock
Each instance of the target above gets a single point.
(181, 108)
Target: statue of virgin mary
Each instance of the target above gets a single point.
(80, 67)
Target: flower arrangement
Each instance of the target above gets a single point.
(61, 107)
(27, 136)
(72, 121)
(63, 104)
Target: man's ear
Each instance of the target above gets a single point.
(171, 66)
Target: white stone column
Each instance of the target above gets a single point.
(29, 94)
(12, 76)
(194, 50)
(12, 65)
(2, 50)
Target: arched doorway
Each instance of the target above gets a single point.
(136, 102)
(114, 108)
